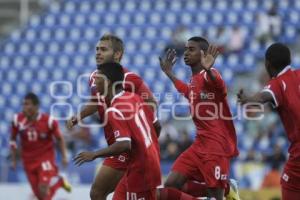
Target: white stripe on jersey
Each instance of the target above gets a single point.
(50, 122)
(112, 109)
(123, 139)
(92, 75)
(125, 76)
(273, 95)
(15, 120)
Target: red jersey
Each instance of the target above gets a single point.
(36, 136)
(132, 83)
(285, 90)
(133, 120)
(211, 114)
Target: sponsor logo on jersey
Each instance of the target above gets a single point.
(223, 177)
(207, 95)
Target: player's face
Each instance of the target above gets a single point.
(29, 109)
(101, 83)
(192, 53)
(105, 52)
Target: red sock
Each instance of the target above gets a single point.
(54, 188)
(174, 194)
(194, 188)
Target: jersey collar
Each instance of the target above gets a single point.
(117, 96)
(284, 70)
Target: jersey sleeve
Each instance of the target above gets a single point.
(274, 88)
(132, 82)
(181, 87)
(118, 123)
(54, 127)
(218, 83)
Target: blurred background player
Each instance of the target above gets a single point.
(37, 132)
(283, 92)
(110, 48)
(208, 158)
(133, 127)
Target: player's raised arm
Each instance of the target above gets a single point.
(208, 59)
(166, 65)
(260, 97)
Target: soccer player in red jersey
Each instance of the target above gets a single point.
(132, 123)
(37, 132)
(283, 92)
(110, 48)
(208, 158)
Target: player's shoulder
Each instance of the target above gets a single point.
(45, 117)
(92, 75)
(297, 72)
(18, 117)
(130, 75)
(126, 97)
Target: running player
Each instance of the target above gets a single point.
(37, 132)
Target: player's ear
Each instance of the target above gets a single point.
(118, 55)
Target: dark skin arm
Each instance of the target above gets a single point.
(260, 97)
(87, 110)
(63, 150)
(13, 153)
(115, 149)
(157, 127)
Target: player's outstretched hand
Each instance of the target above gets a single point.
(208, 58)
(71, 122)
(83, 157)
(168, 60)
(241, 97)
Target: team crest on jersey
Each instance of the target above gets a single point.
(207, 95)
(117, 134)
(121, 158)
(285, 177)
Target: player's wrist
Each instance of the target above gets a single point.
(75, 119)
